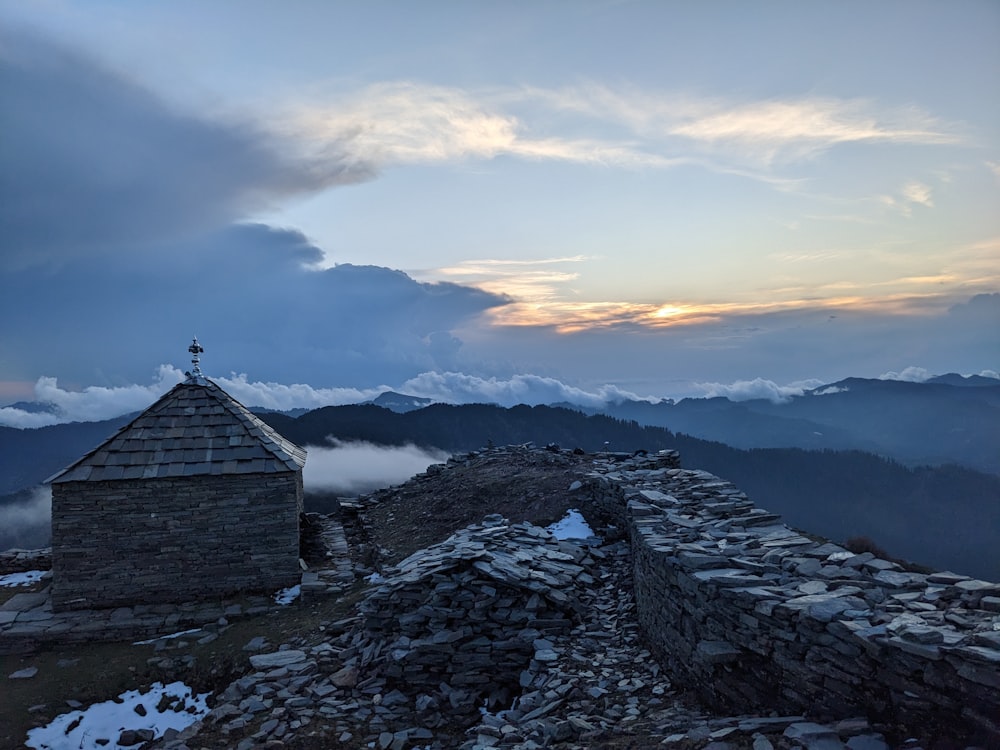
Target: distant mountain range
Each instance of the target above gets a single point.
(949, 419)
(810, 458)
(945, 517)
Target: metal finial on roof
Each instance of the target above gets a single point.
(195, 349)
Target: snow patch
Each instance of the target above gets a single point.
(571, 526)
(287, 596)
(27, 578)
(106, 721)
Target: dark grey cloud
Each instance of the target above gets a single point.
(91, 162)
(254, 297)
(120, 235)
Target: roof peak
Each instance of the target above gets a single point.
(196, 428)
(196, 376)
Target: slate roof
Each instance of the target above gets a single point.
(194, 429)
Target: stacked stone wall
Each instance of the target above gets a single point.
(754, 614)
(165, 540)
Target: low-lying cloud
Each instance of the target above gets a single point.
(27, 523)
(459, 388)
(908, 374)
(353, 468)
(95, 403)
(758, 388)
(922, 375)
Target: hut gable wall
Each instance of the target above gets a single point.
(125, 542)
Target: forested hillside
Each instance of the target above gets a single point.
(945, 517)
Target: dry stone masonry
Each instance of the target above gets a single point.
(752, 613)
(125, 543)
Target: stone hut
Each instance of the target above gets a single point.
(195, 498)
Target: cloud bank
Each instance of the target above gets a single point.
(132, 216)
(352, 468)
(26, 523)
(118, 167)
(908, 374)
(459, 388)
(758, 388)
(95, 403)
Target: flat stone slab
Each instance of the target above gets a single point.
(277, 659)
(24, 602)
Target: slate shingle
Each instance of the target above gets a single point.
(196, 428)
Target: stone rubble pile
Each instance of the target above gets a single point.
(499, 637)
(752, 613)
(460, 621)
(452, 628)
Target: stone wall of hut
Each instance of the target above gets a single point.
(117, 543)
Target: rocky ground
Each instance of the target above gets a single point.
(490, 634)
(518, 484)
(470, 627)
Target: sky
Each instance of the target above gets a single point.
(495, 201)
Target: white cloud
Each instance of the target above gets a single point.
(350, 468)
(27, 515)
(917, 192)
(397, 122)
(910, 375)
(27, 420)
(403, 122)
(758, 388)
(96, 403)
(456, 387)
(295, 396)
(911, 194)
(92, 404)
(831, 390)
(797, 128)
(990, 374)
